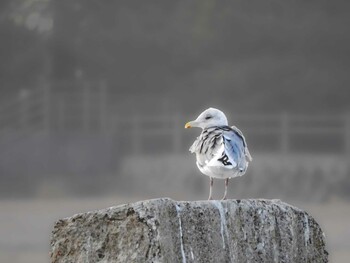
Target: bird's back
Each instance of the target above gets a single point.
(221, 152)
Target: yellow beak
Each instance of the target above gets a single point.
(188, 125)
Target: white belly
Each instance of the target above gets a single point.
(219, 172)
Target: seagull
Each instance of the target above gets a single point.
(221, 151)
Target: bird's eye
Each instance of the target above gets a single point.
(208, 117)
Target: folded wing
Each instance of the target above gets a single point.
(233, 152)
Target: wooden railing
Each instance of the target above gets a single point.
(92, 111)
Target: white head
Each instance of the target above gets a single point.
(208, 118)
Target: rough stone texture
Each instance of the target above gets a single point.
(163, 230)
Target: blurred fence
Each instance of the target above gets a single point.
(96, 109)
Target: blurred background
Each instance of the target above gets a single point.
(94, 96)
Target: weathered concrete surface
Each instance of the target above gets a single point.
(163, 230)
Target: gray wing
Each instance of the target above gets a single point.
(246, 151)
(235, 149)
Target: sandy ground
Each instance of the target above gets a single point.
(25, 225)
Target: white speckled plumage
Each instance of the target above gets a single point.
(221, 151)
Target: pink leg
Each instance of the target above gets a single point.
(210, 188)
(226, 185)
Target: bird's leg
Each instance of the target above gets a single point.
(226, 184)
(211, 187)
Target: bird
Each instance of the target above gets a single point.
(221, 151)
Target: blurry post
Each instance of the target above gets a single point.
(347, 134)
(176, 133)
(61, 113)
(46, 105)
(284, 133)
(23, 95)
(86, 106)
(103, 106)
(136, 140)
